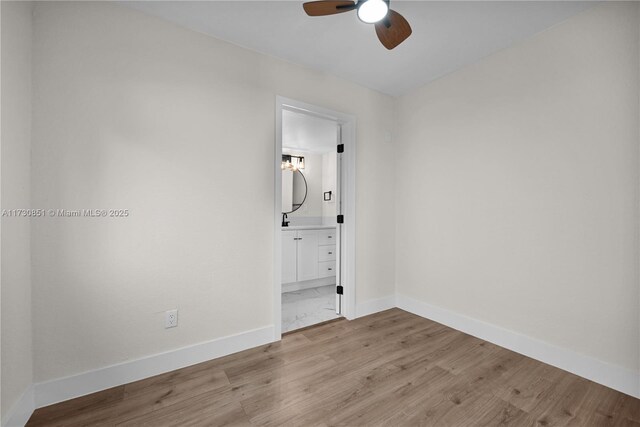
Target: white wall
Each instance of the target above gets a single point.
(132, 112)
(308, 133)
(329, 180)
(311, 209)
(16, 355)
(320, 173)
(518, 188)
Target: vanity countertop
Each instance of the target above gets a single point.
(308, 227)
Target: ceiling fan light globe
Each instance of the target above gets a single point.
(372, 11)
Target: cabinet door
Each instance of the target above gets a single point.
(307, 255)
(289, 256)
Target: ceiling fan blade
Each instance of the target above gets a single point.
(393, 29)
(328, 7)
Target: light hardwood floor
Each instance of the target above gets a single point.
(391, 368)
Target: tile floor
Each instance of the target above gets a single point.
(308, 307)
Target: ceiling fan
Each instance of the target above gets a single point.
(391, 27)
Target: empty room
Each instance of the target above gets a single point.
(320, 213)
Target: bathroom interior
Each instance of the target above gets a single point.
(309, 229)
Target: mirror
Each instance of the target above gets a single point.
(294, 190)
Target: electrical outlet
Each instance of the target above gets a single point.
(171, 318)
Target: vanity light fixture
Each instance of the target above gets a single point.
(292, 163)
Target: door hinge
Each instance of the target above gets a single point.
(340, 219)
(339, 290)
(340, 148)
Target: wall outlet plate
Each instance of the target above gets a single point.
(171, 318)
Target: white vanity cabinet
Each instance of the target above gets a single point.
(289, 256)
(307, 261)
(326, 253)
(308, 255)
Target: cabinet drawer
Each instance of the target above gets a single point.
(327, 253)
(327, 237)
(326, 269)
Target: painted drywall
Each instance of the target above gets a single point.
(311, 209)
(17, 370)
(308, 133)
(329, 181)
(320, 175)
(518, 188)
(131, 112)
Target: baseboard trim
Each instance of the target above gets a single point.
(615, 377)
(374, 306)
(20, 413)
(59, 390)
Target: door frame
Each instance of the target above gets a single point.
(348, 192)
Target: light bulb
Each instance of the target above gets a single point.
(372, 11)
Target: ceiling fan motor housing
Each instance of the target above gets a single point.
(372, 11)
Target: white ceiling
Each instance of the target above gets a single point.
(446, 34)
(307, 133)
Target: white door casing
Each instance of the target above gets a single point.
(345, 249)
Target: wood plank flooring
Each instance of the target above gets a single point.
(391, 368)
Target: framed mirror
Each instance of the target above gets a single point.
(294, 190)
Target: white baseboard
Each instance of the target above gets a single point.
(373, 306)
(615, 377)
(58, 390)
(20, 413)
(54, 391)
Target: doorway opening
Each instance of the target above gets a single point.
(314, 275)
